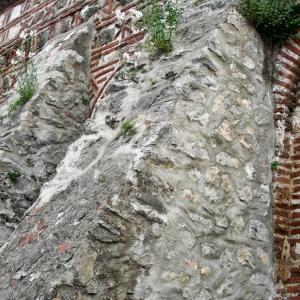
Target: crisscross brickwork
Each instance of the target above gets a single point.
(50, 18)
(287, 174)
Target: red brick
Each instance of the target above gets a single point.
(281, 230)
(296, 40)
(104, 72)
(284, 84)
(293, 289)
(296, 189)
(106, 23)
(295, 231)
(101, 80)
(295, 270)
(295, 215)
(28, 238)
(105, 65)
(286, 165)
(292, 68)
(295, 174)
(293, 49)
(281, 213)
(282, 222)
(282, 172)
(296, 181)
(99, 52)
(284, 180)
(294, 223)
(285, 206)
(287, 75)
(288, 57)
(64, 247)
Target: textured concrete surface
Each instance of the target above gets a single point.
(35, 138)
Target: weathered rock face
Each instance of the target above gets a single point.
(178, 208)
(34, 140)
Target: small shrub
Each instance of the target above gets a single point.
(129, 74)
(274, 165)
(27, 77)
(26, 87)
(13, 176)
(128, 128)
(131, 68)
(161, 20)
(275, 20)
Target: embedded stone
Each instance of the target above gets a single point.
(226, 288)
(258, 231)
(245, 256)
(245, 194)
(208, 249)
(227, 260)
(249, 63)
(212, 174)
(227, 184)
(226, 131)
(238, 223)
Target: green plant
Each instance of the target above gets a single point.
(161, 20)
(128, 128)
(274, 165)
(275, 20)
(129, 73)
(26, 86)
(84, 99)
(13, 176)
(27, 77)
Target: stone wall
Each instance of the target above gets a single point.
(35, 139)
(179, 207)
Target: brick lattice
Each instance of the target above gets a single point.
(286, 179)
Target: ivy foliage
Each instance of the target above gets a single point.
(275, 20)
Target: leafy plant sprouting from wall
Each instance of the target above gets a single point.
(27, 77)
(13, 176)
(275, 20)
(160, 20)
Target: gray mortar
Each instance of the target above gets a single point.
(179, 210)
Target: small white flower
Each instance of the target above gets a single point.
(23, 35)
(31, 54)
(126, 57)
(14, 62)
(20, 53)
(32, 33)
(120, 15)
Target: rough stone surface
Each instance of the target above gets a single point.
(35, 138)
(172, 210)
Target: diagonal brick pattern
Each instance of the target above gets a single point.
(287, 174)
